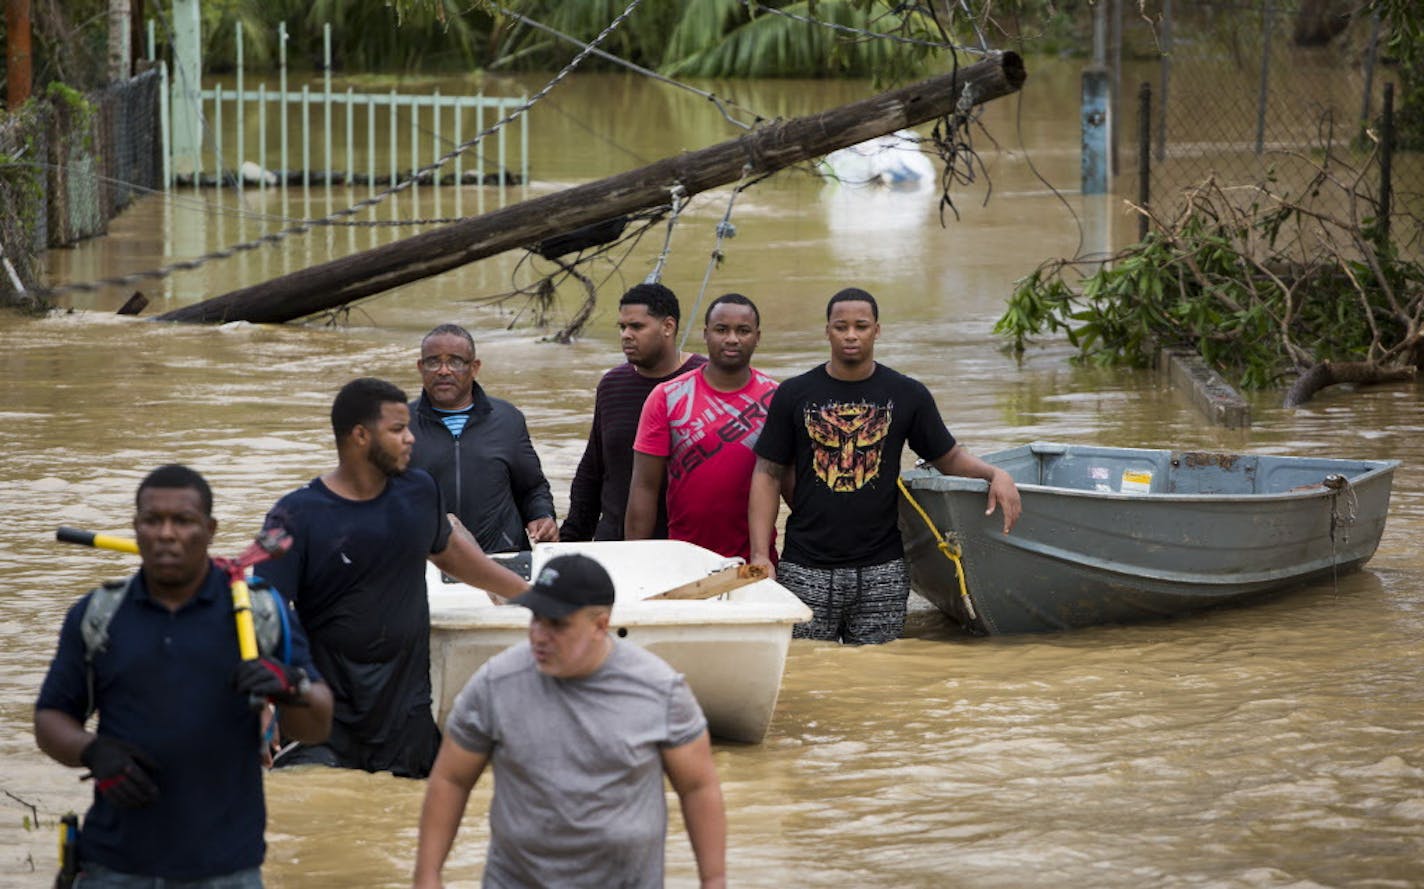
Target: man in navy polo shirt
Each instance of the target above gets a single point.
(176, 756)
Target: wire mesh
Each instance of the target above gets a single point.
(1237, 97)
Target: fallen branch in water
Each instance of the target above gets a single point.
(1328, 373)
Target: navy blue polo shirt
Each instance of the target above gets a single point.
(165, 684)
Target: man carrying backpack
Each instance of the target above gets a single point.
(176, 756)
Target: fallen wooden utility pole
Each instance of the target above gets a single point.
(767, 149)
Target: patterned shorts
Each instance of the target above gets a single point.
(858, 606)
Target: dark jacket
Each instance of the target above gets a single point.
(490, 476)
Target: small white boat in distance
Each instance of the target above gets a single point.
(894, 160)
(731, 648)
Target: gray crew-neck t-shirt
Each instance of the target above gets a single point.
(578, 797)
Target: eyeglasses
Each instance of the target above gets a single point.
(433, 363)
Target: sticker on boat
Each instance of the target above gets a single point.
(1136, 481)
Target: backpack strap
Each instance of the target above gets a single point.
(103, 602)
(268, 619)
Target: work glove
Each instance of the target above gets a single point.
(121, 771)
(265, 678)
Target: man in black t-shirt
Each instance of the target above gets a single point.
(841, 428)
(361, 535)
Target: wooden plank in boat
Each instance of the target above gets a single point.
(715, 584)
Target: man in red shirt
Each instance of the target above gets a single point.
(698, 430)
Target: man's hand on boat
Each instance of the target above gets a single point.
(463, 560)
(1003, 493)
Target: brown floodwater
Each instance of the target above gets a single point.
(1280, 744)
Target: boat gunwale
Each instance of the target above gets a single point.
(929, 478)
(486, 617)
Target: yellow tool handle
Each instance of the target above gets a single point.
(100, 541)
(242, 613)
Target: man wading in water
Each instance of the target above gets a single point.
(356, 573)
(580, 728)
(841, 428)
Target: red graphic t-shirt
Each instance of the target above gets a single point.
(707, 437)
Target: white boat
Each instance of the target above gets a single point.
(732, 648)
(894, 160)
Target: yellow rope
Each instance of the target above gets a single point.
(950, 550)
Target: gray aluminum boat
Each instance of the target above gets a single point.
(1120, 535)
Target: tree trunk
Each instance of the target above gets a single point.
(120, 33)
(1328, 373)
(765, 150)
(18, 63)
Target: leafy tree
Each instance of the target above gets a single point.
(1406, 45)
(1262, 292)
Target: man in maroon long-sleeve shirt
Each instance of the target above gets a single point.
(648, 316)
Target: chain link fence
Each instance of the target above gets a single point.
(1269, 93)
(69, 163)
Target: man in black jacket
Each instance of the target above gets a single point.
(477, 448)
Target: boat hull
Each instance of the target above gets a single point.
(1121, 535)
(732, 649)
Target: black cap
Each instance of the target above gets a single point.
(564, 585)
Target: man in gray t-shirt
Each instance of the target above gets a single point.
(580, 729)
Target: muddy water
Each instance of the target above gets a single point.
(1276, 745)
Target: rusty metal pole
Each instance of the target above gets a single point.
(17, 52)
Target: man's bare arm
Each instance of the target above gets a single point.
(762, 506)
(448, 790)
(642, 515)
(463, 560)
(694, 777)
(1002, 490)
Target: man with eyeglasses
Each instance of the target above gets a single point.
(478, 448)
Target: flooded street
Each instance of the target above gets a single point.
(1276, 745)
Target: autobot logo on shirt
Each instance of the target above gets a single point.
(846, 442)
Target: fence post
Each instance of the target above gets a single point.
(1386, 163)
(217, 138)
(480, 151)
(282, 99)
(262, 135)
(435, 151)
(306, 136)
(187, 86)
(1268, 28)
(1371, 56)
(240, 156)
(1116, 112)
(503, 158)
(1144, 155)
(326, 86)
(350, 137)
(1166, 79)
(1096, 125)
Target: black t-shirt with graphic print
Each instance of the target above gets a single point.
(845, 440)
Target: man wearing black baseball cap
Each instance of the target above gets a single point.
(580, 728)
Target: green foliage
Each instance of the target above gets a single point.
(1406, 45)
(771, 45)
(366, 36)
(1224, 283)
